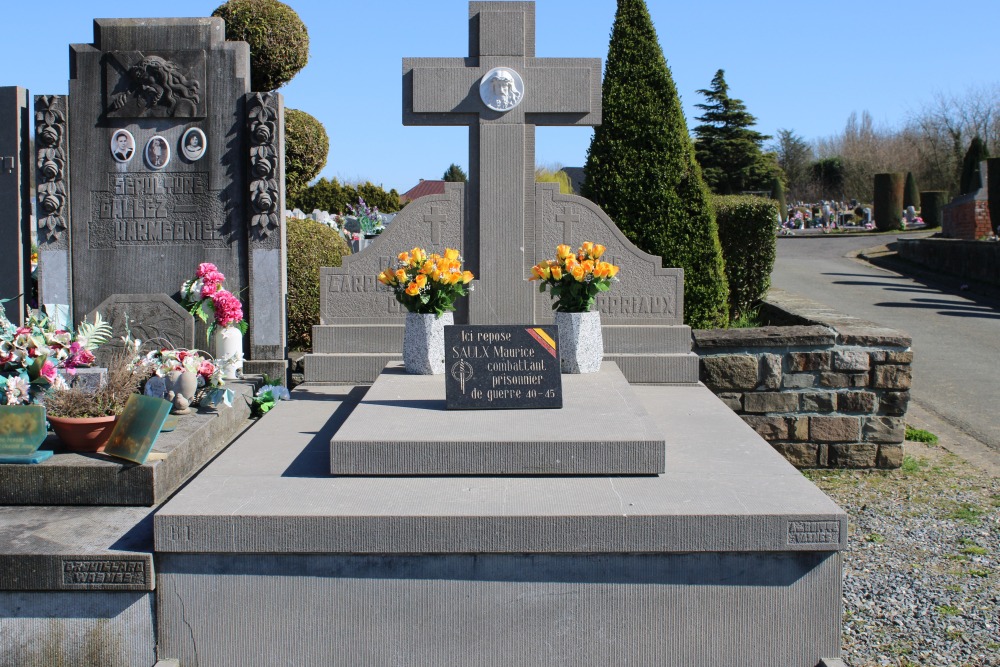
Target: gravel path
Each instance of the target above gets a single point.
(921, 576)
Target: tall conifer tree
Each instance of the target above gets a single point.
(728, 150)
(641, 168)
(971, 180)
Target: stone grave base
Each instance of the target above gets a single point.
(730, 557)
(70, 478)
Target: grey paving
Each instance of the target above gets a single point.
(402, 428)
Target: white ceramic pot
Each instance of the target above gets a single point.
(581, 346)
(229, 343)
(423, 343)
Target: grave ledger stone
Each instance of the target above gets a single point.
(15, 201)
(502, 221)
(128, 207)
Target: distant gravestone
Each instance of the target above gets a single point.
(153, 318)
(15, 202)
(503, 223)
(160, 159)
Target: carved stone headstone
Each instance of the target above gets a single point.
(15, 202)
(159, 159)
(147, 317)
(502, 221)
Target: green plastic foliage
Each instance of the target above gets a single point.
(278, 39)
(931, 207)
(306, 148)
(888, 206)
(971, 180)
(747, 234)
(641, 168)
(911, 193)
(311, 245)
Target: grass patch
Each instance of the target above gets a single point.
(948, 610)
(920, 435)
(966, 512)
(971, 548)
(981, 574)
(912, 464)
(876, 538)
(748, 320)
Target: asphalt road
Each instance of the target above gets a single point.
(956, 336)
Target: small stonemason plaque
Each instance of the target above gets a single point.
(502, 367)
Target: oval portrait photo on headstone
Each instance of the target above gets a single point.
(122, 145)
(157, 152)
(193, 144)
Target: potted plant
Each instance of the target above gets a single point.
(205, 298)
(427, 286)
(83, 419)
(575, 280)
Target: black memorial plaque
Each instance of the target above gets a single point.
(502, 367)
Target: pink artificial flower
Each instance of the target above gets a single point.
(206, 369)
(228, 309)
(48, 371)
(23, 331)
(205, 268)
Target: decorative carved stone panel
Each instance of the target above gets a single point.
(147, 85)
(148, 317)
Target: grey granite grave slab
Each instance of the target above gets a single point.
(155, 318)
(15, 201)
(402, 428)
(731, 537)
(76, 586)
(69, 478)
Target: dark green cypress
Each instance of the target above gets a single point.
(911, 193)
(970, 181)
(931, 203)
(641, 168)
(888, 209)
(778, 195)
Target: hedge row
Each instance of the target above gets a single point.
(747, 233)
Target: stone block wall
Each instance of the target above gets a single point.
(968, 219)
(975, 260)
(828, 390)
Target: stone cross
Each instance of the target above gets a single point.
(501, 91)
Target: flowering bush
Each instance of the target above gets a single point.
(205, 299)
(427, 284)
(31, 355)
(575, 278)
(368, 217)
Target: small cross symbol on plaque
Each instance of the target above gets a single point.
(436, 218)
(567, 217)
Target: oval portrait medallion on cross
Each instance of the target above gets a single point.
(501, 89)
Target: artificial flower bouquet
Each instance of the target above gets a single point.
(32, 355)
(205, 298)
(368, 218)
(575, 279)
(427, 284)
(162, 362)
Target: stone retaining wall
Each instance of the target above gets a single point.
(827, 390)
(975, 260)
(967, 218)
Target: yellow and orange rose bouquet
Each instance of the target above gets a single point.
(575, 279)
(427, 284)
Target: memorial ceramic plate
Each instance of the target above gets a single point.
(137, 428)
(193, 144)
(157, 152)
(22, 430)
(122, 145)
(500, 367)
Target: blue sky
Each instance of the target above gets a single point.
(797, 64)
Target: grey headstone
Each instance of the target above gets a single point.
(135, 228)
(15, 202)
(148, 317)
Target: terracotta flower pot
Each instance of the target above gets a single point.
(85, 434)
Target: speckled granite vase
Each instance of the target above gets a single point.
(423, 343)
(581, 347)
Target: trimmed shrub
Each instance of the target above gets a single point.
(454, 174)
(641, 168)
(278, 39)
(778, 195)
(306, 148)
(911, 194)
(543, 175)
(888, 209)
(746, 232)
(311, 245)
(334, 197)
(931, 204)
(970, 180)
